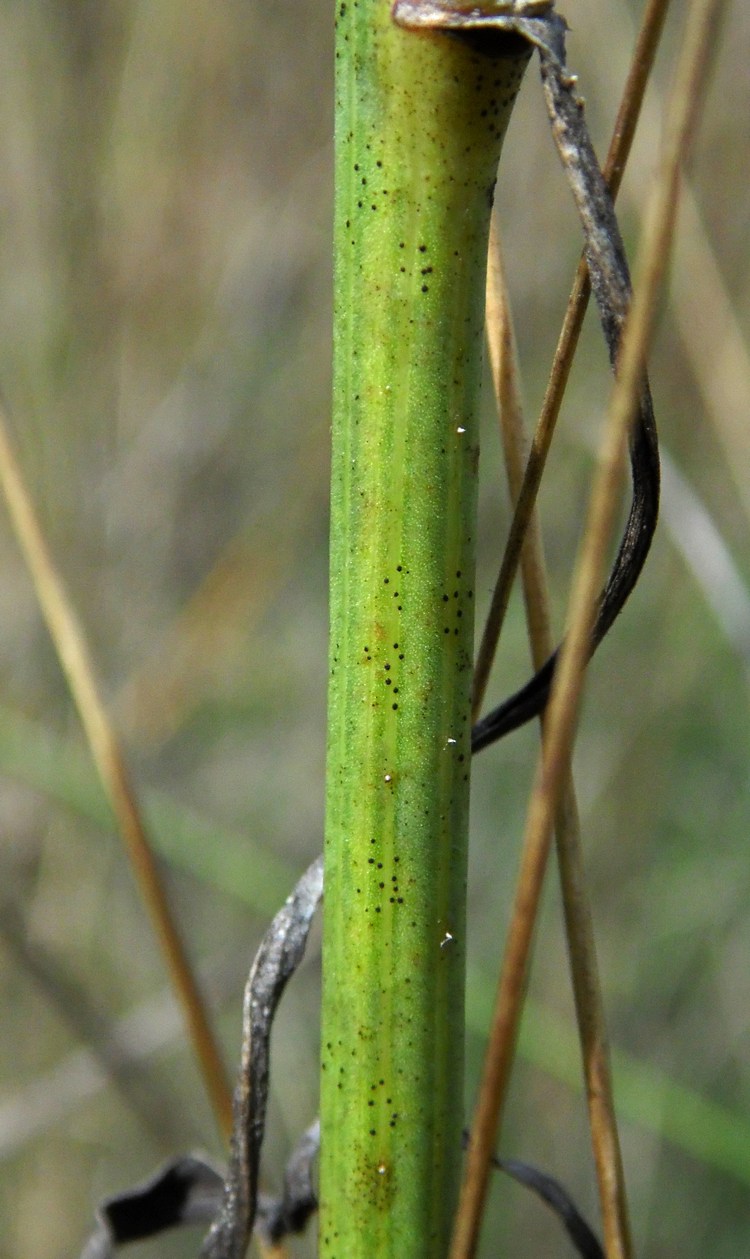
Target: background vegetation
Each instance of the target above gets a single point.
(164, 347)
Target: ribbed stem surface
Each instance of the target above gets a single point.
(419, 124)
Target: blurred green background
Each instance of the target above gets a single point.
(165, 235)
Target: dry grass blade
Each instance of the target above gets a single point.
(279, 954)
(554, 766)
(73, 653)
(578, 920)
(619, 149)
(501, 347)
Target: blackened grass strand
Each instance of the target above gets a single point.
(279, 955)
(558, 1199)
(610, 281)
(189, 1190)
(623, 133)
(186, 1191)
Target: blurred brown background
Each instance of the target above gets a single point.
(165, 238)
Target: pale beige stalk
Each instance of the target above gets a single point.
(70, 643)
(554, 766)
(576, 905)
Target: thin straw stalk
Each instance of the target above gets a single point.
(614, 168)
(70, 643)
(554, 765)
(576, 905)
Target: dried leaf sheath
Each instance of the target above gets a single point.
(277, 959)
(190, 1190)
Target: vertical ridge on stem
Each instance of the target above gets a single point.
(419, 124)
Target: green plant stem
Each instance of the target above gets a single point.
(419, 124)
